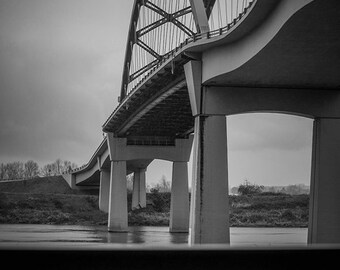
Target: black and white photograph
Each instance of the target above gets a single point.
(165, 134)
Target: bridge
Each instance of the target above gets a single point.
(190, 63)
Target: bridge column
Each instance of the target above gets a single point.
(139, 190)
(210, 205)
(104, 190)
(324, 217)
(118, 220)
(179, 208)
(118, 212)
(73, 181)
(209, 218)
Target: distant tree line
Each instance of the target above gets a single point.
(30, 169)
(248, 188)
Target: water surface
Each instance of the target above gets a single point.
(72, 236)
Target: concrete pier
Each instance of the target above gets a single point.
(179, 208)
(104, 190)
(210, 217)
(139, 190)
(324, 222)
(138, 157)
(118, 220)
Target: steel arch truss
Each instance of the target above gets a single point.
(158, 27)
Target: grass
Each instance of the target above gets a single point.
(269, 210)
(50, 209)
(42, 207)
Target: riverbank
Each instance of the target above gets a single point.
(267, 210)
(50, 200)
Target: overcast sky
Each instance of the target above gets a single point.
(60, 76)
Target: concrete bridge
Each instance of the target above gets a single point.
(188, 64)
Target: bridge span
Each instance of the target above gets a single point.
(188, 64)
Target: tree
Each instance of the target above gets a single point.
(31, 169)
(162, 186)
(58, 166)
(248, 188)
(67, 166)
(3, 171)
(46, 170)
(15, 170)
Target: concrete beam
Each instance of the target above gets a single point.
(304, 102)
(221, 60)
(119, 150)
(193, 76)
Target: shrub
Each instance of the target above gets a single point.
(161, 201)
(58, 204)
(288, 215)
(248, 188)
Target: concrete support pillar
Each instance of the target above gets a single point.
(179, 208)
(324, 213)
(139, 190)
(73, 181)
(210, 205)
(104, 190)
(118, 218)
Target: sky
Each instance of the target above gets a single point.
(60, 75)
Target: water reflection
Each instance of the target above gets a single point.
(146, 235)
(117, 238)
(51, 236)
(179, 238)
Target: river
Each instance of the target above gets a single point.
(27, 236)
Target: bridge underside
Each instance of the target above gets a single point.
(304, 54)
(170, 118)
(165, 116)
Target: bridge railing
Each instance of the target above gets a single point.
(160, 28)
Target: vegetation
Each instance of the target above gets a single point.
(50, 200)
(162, 186)
(296, 189)
(248, 188)
(30, 169)
(269, 210)
(50, 209)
